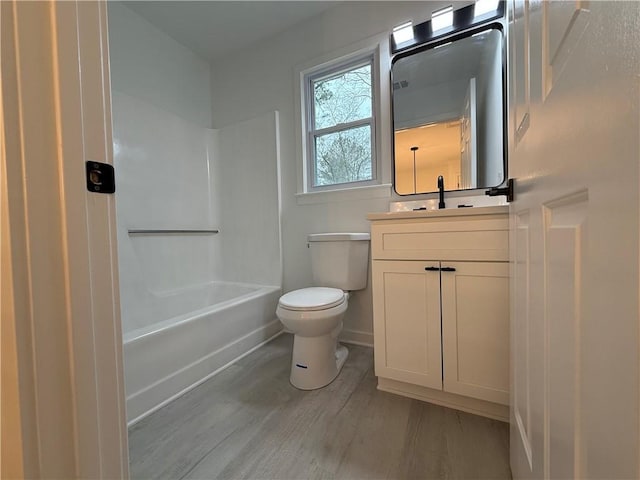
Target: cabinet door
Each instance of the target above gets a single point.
(475, 330)
(406, 311)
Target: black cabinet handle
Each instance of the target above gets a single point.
(448, 269)
(432, 269)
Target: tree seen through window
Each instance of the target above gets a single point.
(342, 127)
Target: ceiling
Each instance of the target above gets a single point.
(462, 59)
(214, 29)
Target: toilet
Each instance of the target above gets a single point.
(339, 263)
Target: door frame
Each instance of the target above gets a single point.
(62, 373)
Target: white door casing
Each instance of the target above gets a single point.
(574, 79)
(59, 248)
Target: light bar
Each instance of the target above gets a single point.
(446, 21)
(441, 19)
(485, 6)
(403, 33)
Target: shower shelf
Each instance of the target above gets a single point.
(163, 232)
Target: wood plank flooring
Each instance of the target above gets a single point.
(249, 422)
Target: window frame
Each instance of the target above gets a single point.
(327, 71)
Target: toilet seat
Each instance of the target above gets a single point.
(312, 299)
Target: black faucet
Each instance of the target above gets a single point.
(441, 191)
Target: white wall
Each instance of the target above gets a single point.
(261, 79)
(148, 64)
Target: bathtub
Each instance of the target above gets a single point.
(199, 331)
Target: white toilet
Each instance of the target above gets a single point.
(314, 315)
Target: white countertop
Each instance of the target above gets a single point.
(445, 212)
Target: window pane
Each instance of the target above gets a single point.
(343, 157)
(343, 98)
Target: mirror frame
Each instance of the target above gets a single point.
(426, 41)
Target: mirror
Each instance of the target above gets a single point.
(448, 115)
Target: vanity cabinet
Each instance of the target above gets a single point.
(441, 307)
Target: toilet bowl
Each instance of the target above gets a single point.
(314, 315)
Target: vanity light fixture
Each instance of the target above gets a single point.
(441, 19)
(483, 7)
(445, 23)
(403, 33)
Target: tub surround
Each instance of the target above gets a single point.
(184, 167)
(148, 142)
(441, 306)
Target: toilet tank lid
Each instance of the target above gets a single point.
(337, 237)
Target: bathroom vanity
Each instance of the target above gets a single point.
(441, 306)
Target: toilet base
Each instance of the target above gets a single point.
(341, 356)
(316, 361)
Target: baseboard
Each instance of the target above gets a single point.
(445, 399)
(356, 337)
(144, 402)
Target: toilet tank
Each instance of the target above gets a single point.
(340, 260)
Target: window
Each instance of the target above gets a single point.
(341, 126)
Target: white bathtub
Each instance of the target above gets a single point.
(199, 332)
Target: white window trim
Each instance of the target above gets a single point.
(345, 194)
(378, 46)
(317, 75)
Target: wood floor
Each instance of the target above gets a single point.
(249, 422)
